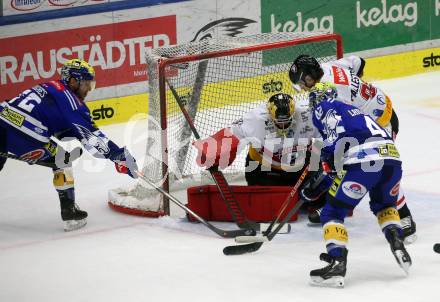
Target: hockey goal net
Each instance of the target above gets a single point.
(218, 80)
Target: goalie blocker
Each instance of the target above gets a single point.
(218, 150)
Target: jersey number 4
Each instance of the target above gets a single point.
(374, 128)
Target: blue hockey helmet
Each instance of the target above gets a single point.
(77, 69)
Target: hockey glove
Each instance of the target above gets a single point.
(316, 186)
(125, 163)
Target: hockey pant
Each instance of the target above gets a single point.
(347, 191)
(27, 148)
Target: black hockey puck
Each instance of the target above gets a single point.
(437, 248)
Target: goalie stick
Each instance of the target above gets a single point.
(220, 180)
(220, 232)
(269, 234)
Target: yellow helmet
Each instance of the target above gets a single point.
(281, 107)
(321, 91)
(78, 69)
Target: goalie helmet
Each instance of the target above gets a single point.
(79, 70)
(320, 92)
(281, 107)
(305, 65)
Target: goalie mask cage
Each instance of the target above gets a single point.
(218, 80)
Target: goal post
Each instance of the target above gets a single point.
(219, 80)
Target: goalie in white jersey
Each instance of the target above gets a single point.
(278, 134)
(346, 75)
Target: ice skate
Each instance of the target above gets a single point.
(73, 217)
(333, 274)
(398, 249)
(409, 229)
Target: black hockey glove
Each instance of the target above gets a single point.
(317, 185)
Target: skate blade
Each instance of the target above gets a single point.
(410, 239)
(403, 261)
(72, 225)
(251, 239)
(335, 282)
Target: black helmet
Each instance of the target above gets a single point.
(281, 107)
(305, 65)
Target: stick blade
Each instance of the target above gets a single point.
(242, 249)
(236, 233)
(251, 239)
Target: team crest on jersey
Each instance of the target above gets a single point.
(93, 140)
(353, 189)
(331, 128)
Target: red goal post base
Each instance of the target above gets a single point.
(135, 212)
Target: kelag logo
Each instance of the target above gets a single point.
(431, 61)
(301, 24)
(384, 14)
(103, 113)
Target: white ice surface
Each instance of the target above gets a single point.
(118, 257)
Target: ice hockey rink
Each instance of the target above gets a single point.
(118, 257)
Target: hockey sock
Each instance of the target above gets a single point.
(63, 179)
(389, 218)
(335, 237)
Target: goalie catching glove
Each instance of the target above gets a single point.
(218, 150)
(125, 163)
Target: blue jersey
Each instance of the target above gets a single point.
(52, 109)
(351, 134)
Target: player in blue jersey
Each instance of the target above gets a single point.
(57, 109)
(363, 158)
(346, 75)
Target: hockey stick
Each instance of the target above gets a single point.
(220, 180)
(269, 234)
(220, 232)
